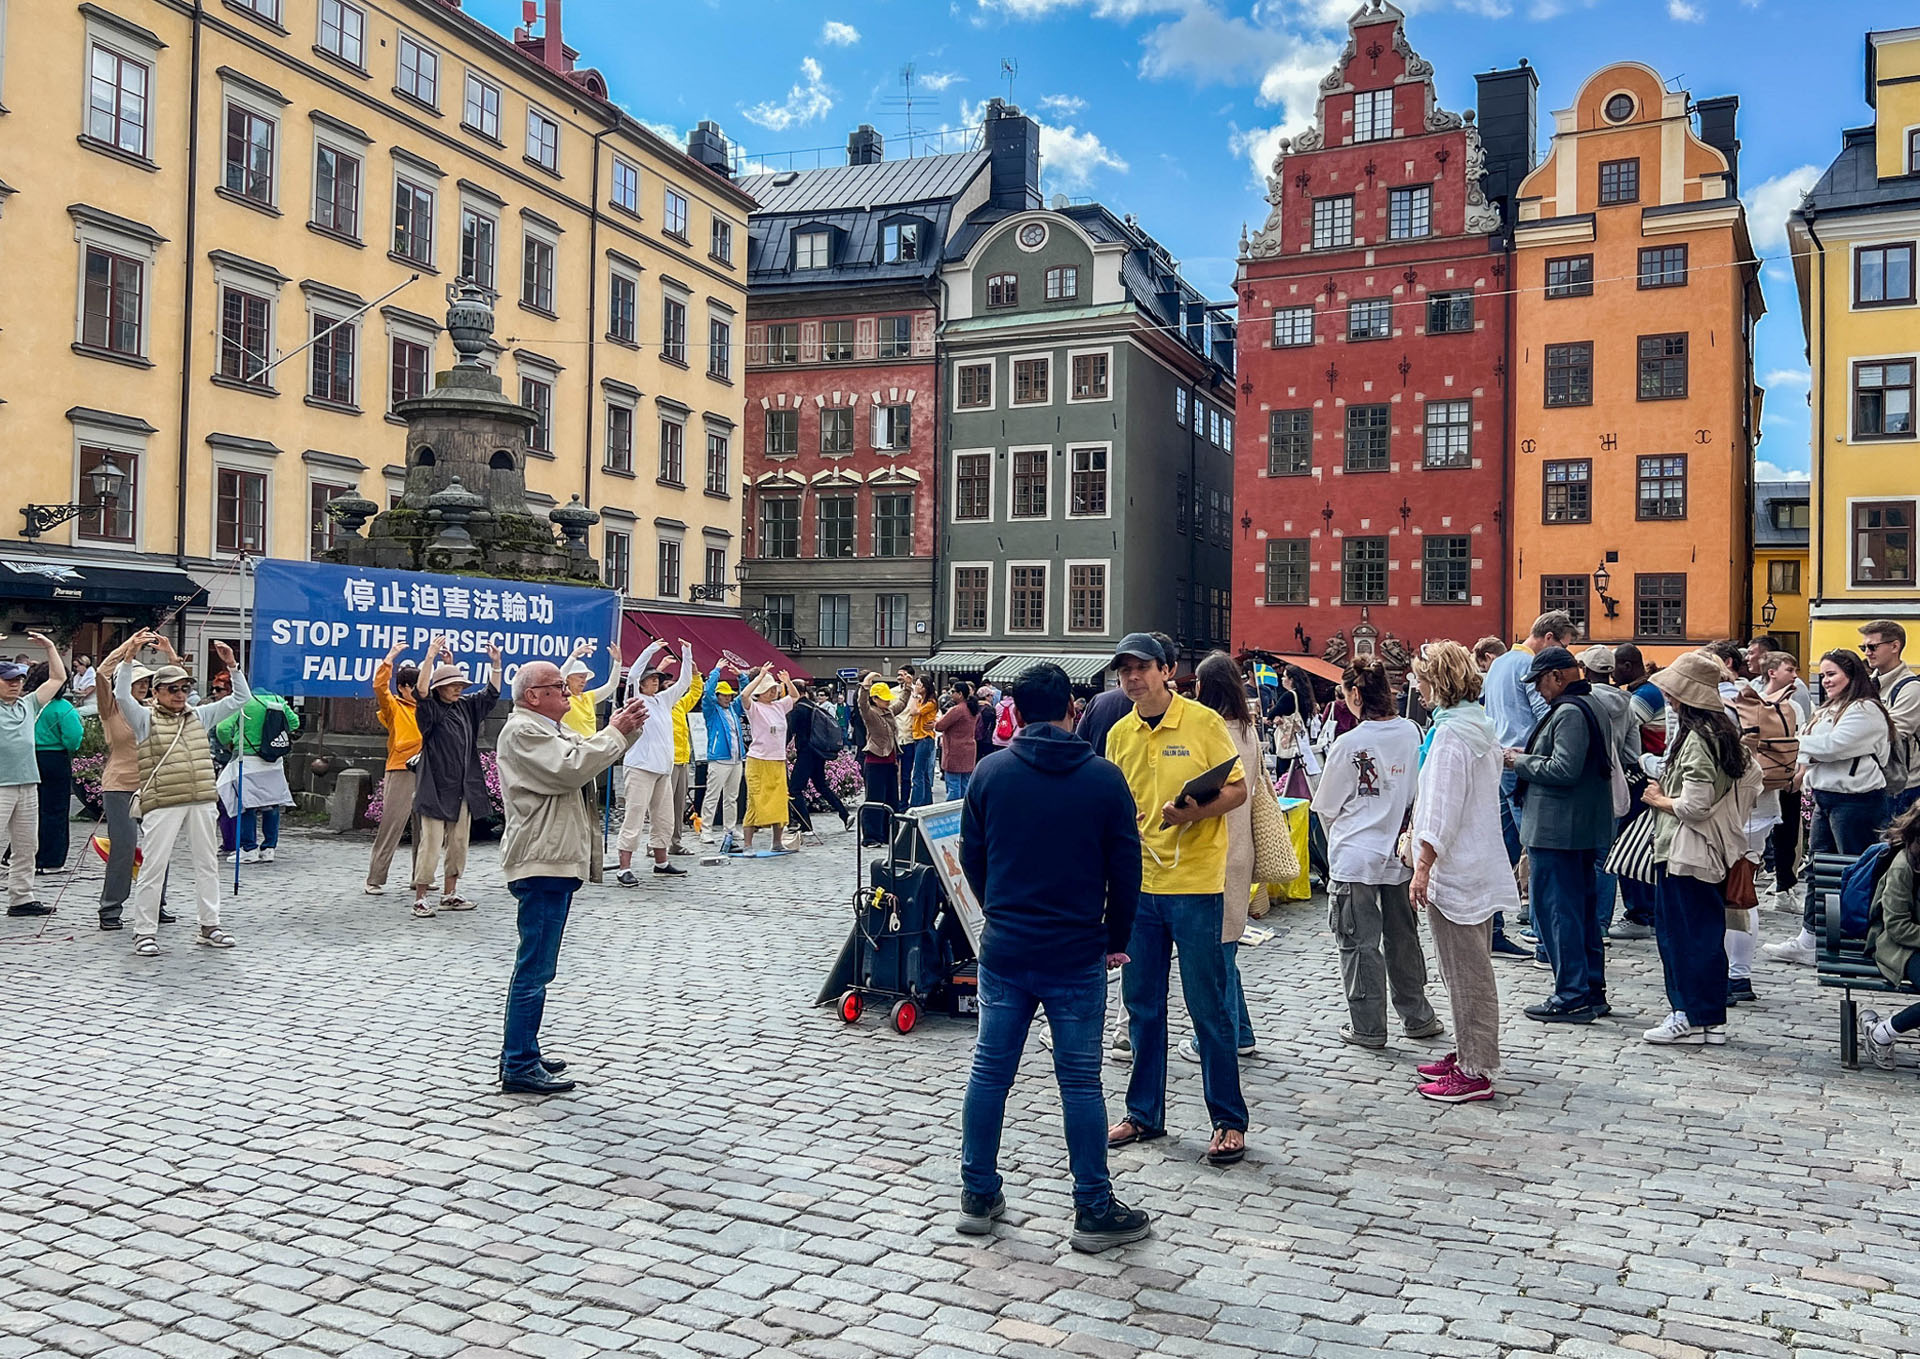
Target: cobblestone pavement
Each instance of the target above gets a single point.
(293, 1149)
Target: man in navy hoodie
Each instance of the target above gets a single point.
(1049, 844)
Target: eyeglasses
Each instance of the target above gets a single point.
(536, 688)
(1868, 648)
(176, 688)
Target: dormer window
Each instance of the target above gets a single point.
(812, 250)
(1003, 290)
(900, 242)
(1373, 116)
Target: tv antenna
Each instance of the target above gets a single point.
(1009, 68)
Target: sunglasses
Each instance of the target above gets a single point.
(176, 688)
(1868, 648)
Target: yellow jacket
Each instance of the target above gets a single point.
(396, 715)
(682, 739)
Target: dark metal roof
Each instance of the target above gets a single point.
(890, 183)
(1764, 494)
(1853, 181)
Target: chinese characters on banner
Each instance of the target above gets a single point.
(320, 629)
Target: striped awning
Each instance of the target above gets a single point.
(1082, 667)
(960, 662)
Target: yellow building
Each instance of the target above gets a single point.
(1854, 242)
(1781, 516)
(192, 193)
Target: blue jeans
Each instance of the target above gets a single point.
(544, 903)
(1843, 823)
(1237, 998)
(260, 828)
(956, 784)
(1903, 801)
(1510, 836)
(922, 773)
(1566, 915)
(1076, 1006)
(1690, 925)
(1192, 923)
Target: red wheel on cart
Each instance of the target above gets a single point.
(850, 1006)
(905, 1015)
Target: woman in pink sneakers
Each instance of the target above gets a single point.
(1460, 866)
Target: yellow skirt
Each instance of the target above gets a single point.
(766, 792)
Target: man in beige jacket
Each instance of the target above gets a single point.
(546, 850)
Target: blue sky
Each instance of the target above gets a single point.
(1164, 107)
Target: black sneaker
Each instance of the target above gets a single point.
(669, 871)
(977, 1212)
(1116, 1226)
(627, 878)
(1740, 991)
(110, 922)
(30, 908)
(1558, 1012)
(168, 917)
(1504, 947)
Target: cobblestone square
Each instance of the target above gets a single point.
(294, 1149)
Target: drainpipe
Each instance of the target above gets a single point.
(1510, 411)
(1193, 505)
(593, 312)
(1819, 425)
(933, 291)
(186, 319)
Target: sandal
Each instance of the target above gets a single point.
(455, 904)
(422, 911)
(1136, 1131)
(146, 946)
(214, 938)
(1219, 1153)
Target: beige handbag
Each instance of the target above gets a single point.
(1274, 859)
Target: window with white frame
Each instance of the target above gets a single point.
(543, 140)
(266, 9)
(616, 560)
(1373, 115)
(1088, 491)
(719, 460)
(675, 213)
(1031, 380)
(973, 386)
(536, 273)
(673, 452)
(673, 329)
(479, 247)
(1030, 499)
(117, 98)
(836, 620)
(973, 485)
(626, 185)
(331, 370)
(1027, 597)
(900, 242)
(971, 586)
(1086, 596)
(1090, 376)
(890, 620)
(343, 31)
(251, 138)
(336, 190)
(1063, 283)
(810, 250)
(667, 585)
(623, 293)
(619, 437)
(892, 427)
(412, 221)
(719, 348)
(481, 108)
(246, 336)
(1449, 434)
(782, 344)
(419, 71)
(720, 240)
(536, 394)
(407, 365)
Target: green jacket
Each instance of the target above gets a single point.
(1568, 805)
(1893, 925)
(255, 714)
(58, 728)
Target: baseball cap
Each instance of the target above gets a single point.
(12, 670)
(1549, 660)
(882, 693)
(1598, 659)
(723, 689)
(1141, 646)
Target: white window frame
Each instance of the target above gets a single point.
(400, 46)
(1106, 596)
(344, 7)
(101, 236)
(233, 94)
(1104, 446)
(812, 249)
(953, 626)
(901, 231)
(476, 81)
(1013, 387)
(229, 274)
(993, 476)
(881, 413)
(329, 310)
(113, 439)
(993, 383)
(1046, 601)
(621, 273)
(416, 182)
(488, 212)
(400, 328)
(1853, 556)
(1073, 354)
(525, 369)
(1898, 441)
(324, 137)
(610, 401)
(128, 45)
(668, 198)
(1013, 451)
(1373, 100)
(538, 119)
(631, 204)
(261, 464)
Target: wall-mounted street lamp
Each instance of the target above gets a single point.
(1769, 611)
(1601, 579)
(105, 481)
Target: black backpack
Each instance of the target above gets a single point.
(824, 737)
(276, 737)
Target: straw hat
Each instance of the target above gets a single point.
(1692, 679)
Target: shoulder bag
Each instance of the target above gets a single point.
(1274, 859)
(1632, 852)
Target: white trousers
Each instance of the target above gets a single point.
(20, 824)
(159, 829)
(723, 793)
(647, 793)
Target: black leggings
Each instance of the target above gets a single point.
(810, 768)
(1908, 1019)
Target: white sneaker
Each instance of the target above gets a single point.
(373, 891)
(1882, 1053)
(1787, 899)
(1121, 1050)
(1676, 1030)
(266, 856)
(1794, 950)
(1716, 1035)
(249, 856)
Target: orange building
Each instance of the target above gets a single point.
(1635, 407)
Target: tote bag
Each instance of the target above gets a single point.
(1632, 854)
(1274, 859)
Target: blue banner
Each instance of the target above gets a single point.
(320, 629)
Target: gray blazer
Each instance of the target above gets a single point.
(1568, 805)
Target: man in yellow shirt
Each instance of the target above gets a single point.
(1164, 742)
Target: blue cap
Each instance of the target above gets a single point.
(1141, 646)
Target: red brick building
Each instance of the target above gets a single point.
(1373, 358)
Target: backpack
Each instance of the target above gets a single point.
(1857, 886)
(276, 737)
(1599, 749)
(1903, 762)
(1775, 724)
(1008, 724)
(824, 737)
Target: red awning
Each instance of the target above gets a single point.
(714, 639)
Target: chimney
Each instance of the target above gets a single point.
(708, 145)
(865, 146)
(1717, 117)
(1508, 114)
(1013, 157)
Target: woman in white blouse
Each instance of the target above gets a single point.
(1460, 866)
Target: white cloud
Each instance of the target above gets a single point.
(1782, 379)
(1102, 9)
(1764, 470)
(1069, 158)
(836, 34)
(1259, 145)
(938, 81)
(808, 101)
(1681, 12)
(1066, 105)
(1212, 47)
(1769, 203)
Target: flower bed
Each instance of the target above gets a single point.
(489, 769)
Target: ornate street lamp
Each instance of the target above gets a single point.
(105, 481)
(1769, 611)
(1601, 579)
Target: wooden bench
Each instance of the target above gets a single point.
(1843, 962)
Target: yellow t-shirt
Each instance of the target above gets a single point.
(580, 713)
(1189, 860)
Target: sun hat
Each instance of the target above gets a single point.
(1692, 679)
(140, 672)
(575, 666)
(449, 674)
(1598, 659)
(169, 674)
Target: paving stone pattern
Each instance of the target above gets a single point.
(293, 1149)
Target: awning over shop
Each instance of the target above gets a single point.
(960, 662)
(1313, 665)
(1082, 667)
(714, 639)
(155, 587)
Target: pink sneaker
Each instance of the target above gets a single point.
(1446, 1066)
(1457, 1087)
